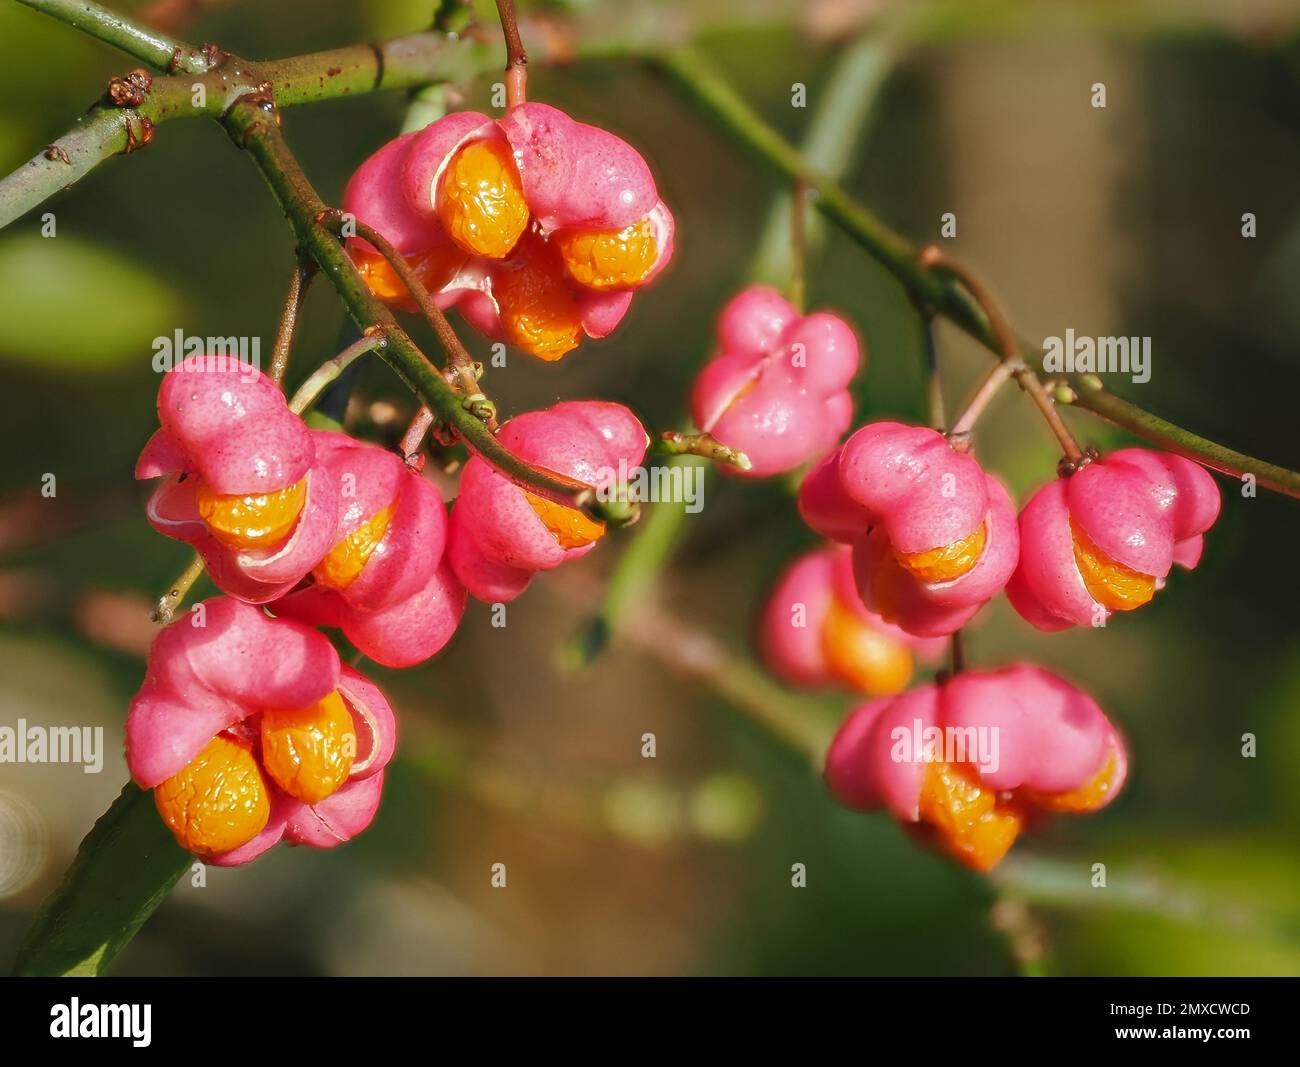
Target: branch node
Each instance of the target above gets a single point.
(130, 89)
(478, 405)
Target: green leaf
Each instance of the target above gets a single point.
(124, 869)
(68, 303)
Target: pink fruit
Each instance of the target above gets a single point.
(537, 226)
(815, 630)
(384, 581)
(1105, 538)
(778, 388)
(971, 761)
(243, 483)
(933, 536)
(500, 533)
(250, 731)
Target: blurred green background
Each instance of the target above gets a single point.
(1123, 221)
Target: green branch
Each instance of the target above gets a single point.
(107, 130)
(1086, 391)
(932, 289)
(156, 49)
(253, 124)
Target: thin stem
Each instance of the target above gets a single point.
(1008, 346)
(156, 49)
(165, 610)
(799, 246)
(413, 439)
(957, 645)
(699, 81)
(987, 390)
(254, 125)
(516, 57)
(674, 443)
(458, 358)
(298, 282)
(935, 408)
(328, 372)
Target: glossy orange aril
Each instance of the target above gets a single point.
(218, 801)
(606, 260)
(861, 656)
(346, 560)
(1088, 797)
(947, 562)
(259, 520)
(309, 751)
(970, 822)
(481, 201)
(1110, 583)
(435, 268)
(538, 311)
(569, 526)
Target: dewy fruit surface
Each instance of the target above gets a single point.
(1111, 584)
(948, 562)
(609, 259)
(252, 521)
(309, 751)
(861, 656)
(482, 199)
(971, 823)
(538, 312)
(346, 560)
(569, 526)
(218, 801)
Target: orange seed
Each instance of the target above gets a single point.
(1088, 797)
(309, 751)
(435, 268)
(538, 312)
(609, 259)
(482, 199)
(968, 820)
(346, 560)
(218, 801)
(947, 562)
(861, 656)
(569, 526)
(1110, 583)
(258, 520)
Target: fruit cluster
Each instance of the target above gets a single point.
(247, 727)
(538, 228)
(926, 538)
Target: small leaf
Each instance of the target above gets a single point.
(124, 869)
(65, 302)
